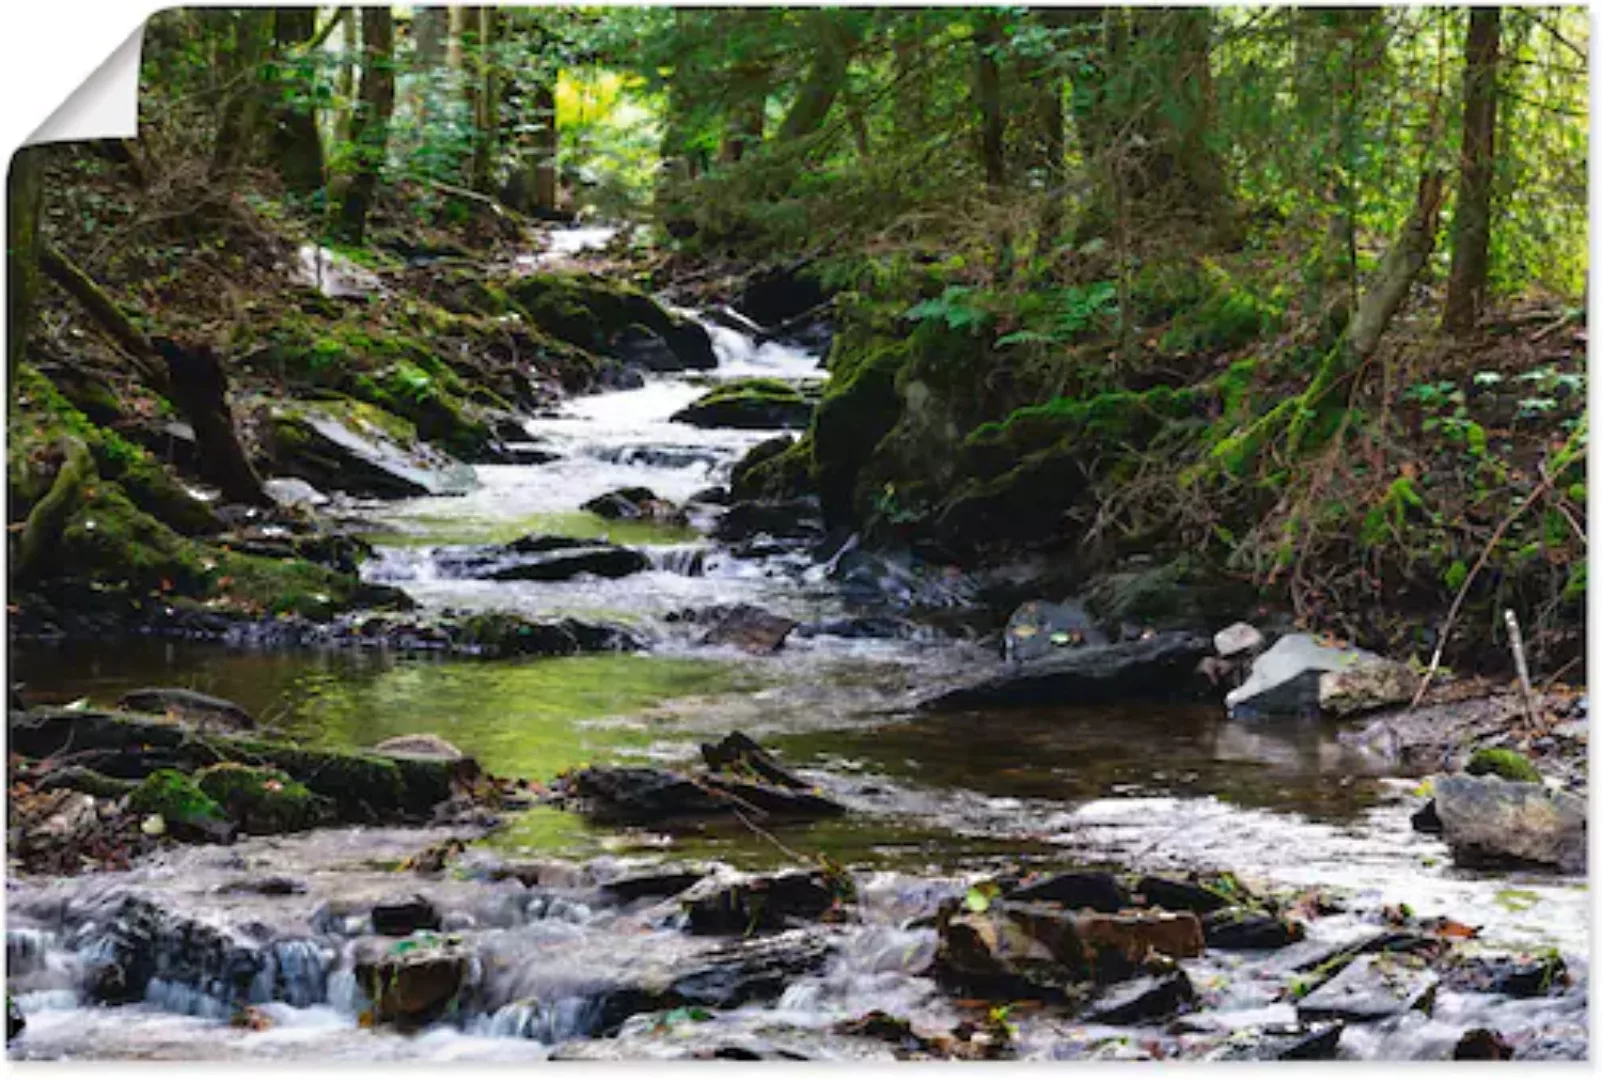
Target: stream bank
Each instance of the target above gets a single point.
(937, 804)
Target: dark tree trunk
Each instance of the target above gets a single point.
(987, 39)
(1471, 221)
(199, 388)
(345, 82)
(369, 129)
(746, 121)
(825, 77)
(239, 126)
(297, 146)
(546, 146)
(24, 195)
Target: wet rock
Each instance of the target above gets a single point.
(1038, 628)
(777, 294)
(1237, 639)
(272, 885)
(1515, 976)
(1426, 820)
(14, 1019)
(426, 745)
(604, 317)
(1372, 988)
(662, 882)
(1487, 821)
(287, 491)
(264, 801)
(334, 452)
(770, 902)
(749, 404)
(1238, 928)
(1289, 680)
(752, 629)
(1159, 668)
(141, 941)
(1309, 1042)
(542, 558)
(712, 496)
(413, 987)
(737, 752)
(634, 504)
(658, 457)
(1144, 1001)
(641, 796)
(746, 480)
(188, 706)
(786, 519)
(403, 915)
(1176, 895)
(1482, 1044)
(1096, 891)
(1119, 942)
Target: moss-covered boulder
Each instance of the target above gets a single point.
(347, 445)
(187, 810)
(859, 408)
(618, 320)
(752, 404)
(779, 468)
(263, 801)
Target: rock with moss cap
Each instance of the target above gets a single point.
(751, 404)
(263, 801)
(1500, 761)
(617, 320)
(189, 813)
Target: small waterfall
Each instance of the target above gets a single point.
(296, 973)
(27, 949)
(686, 560)
(566, 1018)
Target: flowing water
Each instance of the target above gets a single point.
(935, 799)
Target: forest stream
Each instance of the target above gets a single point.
(934, 802)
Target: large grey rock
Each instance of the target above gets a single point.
(336, 452)
(1372, 988)
(1158, 668)
(541, 558)
(1487, 820)
(1289, 680)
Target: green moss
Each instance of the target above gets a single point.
(111, 541)
(859, 408)
(779, 468)
(1499, 761)
(282, 586)
(263, 800)
(176, 798)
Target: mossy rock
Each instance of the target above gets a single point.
(263, 801)
(1500, 761)
(111, 541)
(775, 469)
(39, 418)
(600, 316)
(1181, 593)
(1024, 505)
(750, 404)
(859, 408)
(180, 802)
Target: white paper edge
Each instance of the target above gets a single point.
(105, 105)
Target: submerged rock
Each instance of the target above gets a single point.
(1237, 928)
(425, 745)
(1482, 1044)
(646, 796)
(750, 628)
(785, 519)
(1290, 680)
(542, 558)
(1159, 668)
(1287, 1042)
(202, 710)
(767, 902)
(1488, 821)
(738, 752)
(1178, 895)
(634, 504)
(1372, 988)
(404, 915)
(1143, 1001)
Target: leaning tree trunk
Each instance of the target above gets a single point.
(24, 195)
(987, 40)
(1401, 265)
(824, 79)
(192, 378)
(369, 129)
(297, 147)
(1471, 221)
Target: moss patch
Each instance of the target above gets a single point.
(263, 801)
(1499, 761)
(178, 799)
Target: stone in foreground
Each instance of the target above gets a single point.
(1372, 988)
(1488, 821)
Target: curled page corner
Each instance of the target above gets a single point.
(104, 106)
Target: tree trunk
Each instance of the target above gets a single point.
(1145, 113)
(1471, 221)
(746, 120)
(369, 134)
(297, 146)
(240, 124)
(431, 29)
(825, 77)
(1401, 265)
(987, 40)
(24, 197)
(200, 390)
(345, 83)
(546, 146)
